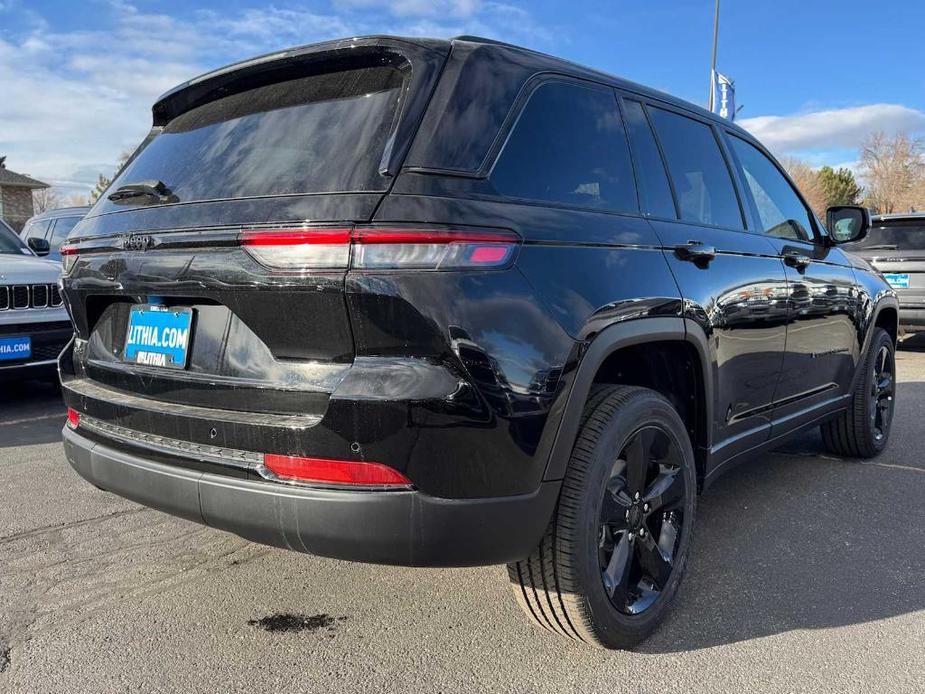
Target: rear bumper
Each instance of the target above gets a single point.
(404, 527)
(912, 318)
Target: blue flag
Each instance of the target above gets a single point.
(724, 92)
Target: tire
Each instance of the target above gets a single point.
(561, 585)
(863, 430)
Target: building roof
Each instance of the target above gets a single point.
(11, 178)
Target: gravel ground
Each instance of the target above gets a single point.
(806, 576)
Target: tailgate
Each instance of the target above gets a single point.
(304, 139)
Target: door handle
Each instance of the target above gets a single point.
(797, 260)
(695, 252)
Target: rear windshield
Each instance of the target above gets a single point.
(317, 134)
(894, 237)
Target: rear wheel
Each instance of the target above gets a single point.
(613, 556)
(864, 429)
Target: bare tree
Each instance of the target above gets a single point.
(78, 200)
(893, 169)
(45, 199)
(123, 158)
(809, 183)
(917, 196)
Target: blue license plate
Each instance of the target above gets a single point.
(158, 336)
(899, 280)
(12, 348)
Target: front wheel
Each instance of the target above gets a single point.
(613, 557)
(862, 431)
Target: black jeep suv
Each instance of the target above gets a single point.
(443, 303)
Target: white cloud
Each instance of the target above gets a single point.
(278, 26)
(845, 128)
(420, 8)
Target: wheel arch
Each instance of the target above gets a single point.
(887, 317)
(885, 314)
(599, 364)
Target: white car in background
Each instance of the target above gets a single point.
(34, 325)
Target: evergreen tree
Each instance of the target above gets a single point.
(101, 185)
(839, 187)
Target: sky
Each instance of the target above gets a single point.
(814, 77)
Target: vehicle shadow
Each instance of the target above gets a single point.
(31, 412)
(913, 343)
(798, 540)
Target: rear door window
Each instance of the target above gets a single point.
(569, 147)
(698, 170)
(654, 189)
(317, 134)
(779, 208)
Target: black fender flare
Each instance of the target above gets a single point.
(605, 343)
(887, 301)
(883, 302)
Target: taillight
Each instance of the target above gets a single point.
(299, 249)
(373, 248)
(68, 252)
(333, 471)
(73, 418)
(413, 249)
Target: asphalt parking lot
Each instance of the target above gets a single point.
(808, 574)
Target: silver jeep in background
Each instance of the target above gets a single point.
(34, 325)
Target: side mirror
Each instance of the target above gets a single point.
(38, 246)
(847, 223)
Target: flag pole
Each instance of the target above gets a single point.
(713, 61)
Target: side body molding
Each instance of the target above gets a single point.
(608, 341)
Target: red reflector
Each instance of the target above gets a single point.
(488, 254)
(294, 237)
(67, 249)
(73, 418)
(333, 471)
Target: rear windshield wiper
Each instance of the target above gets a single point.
(152, 191)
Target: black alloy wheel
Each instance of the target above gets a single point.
(881, 393)
(641, 519)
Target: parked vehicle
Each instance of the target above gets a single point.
(52, 226)
(445, 303)
(34, 326)
(895, 246)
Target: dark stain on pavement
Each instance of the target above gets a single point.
(285, 622)
(4, 656)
